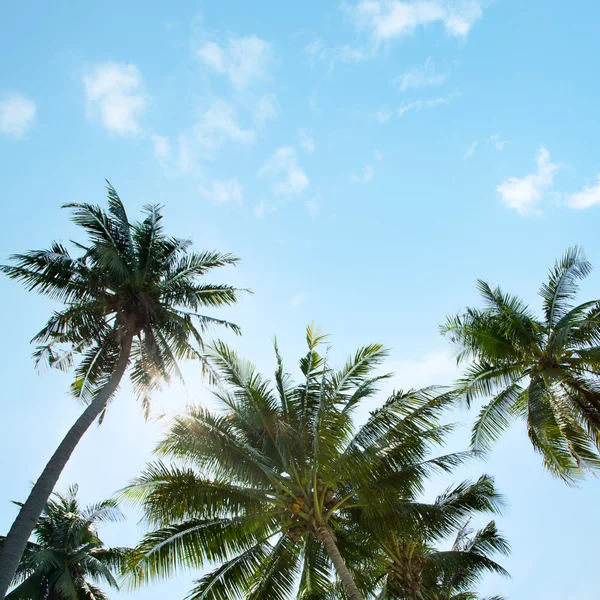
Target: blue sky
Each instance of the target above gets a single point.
(368, 160)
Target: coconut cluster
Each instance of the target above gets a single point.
(300, 518)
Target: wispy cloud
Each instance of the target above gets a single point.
(266, 109)
(305, 141)
(422, 76)
(315, 51)
(178, 161)
(424, 104)
(524, 194)
(470, 152)
(347, 54)
(364, 176)
(218, 124)
(589, 196)
(384, 114)
(115, 96)
(223, 192)
(290, 178)
(17, 115)
(386, 20)
(497, 141)
(244, 60)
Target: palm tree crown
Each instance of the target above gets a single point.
(542, 370)
(68, 554)
(417, 569)
(278, 487)
(130, 280)
(132, 294)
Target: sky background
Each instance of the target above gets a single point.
(367, 160)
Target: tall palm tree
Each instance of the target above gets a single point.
(268, 487)
(131, 296)
(543, 370)
(412, 567)
(68, 554)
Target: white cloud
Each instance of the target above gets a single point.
(424, 104)
(17, 115)
(364, 176)
(114, 94)
(389, 19)
(283, 164)
(470, 151)
(259, 209)
(378, 155)
(266, 109)
(523, 194)
(218, 124)
(589, 196)
(306, 142)
(297, 300)
(222, 192)
(420, 77)
(245, 60)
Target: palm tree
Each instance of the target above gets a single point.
(544, 371)
(68, 553)
(268, 487)
(132, 295)
(411, 565)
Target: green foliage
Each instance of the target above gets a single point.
(67, 557)
(409, 563)
(250, 489)
(544, 371)
(131, 279)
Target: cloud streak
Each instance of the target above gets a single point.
(470, 152)
(422, 76)
(418, 105)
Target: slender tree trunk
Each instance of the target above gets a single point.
(16, 540)
(326, 536)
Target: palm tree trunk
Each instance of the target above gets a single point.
(326, 536)
(16, 540)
